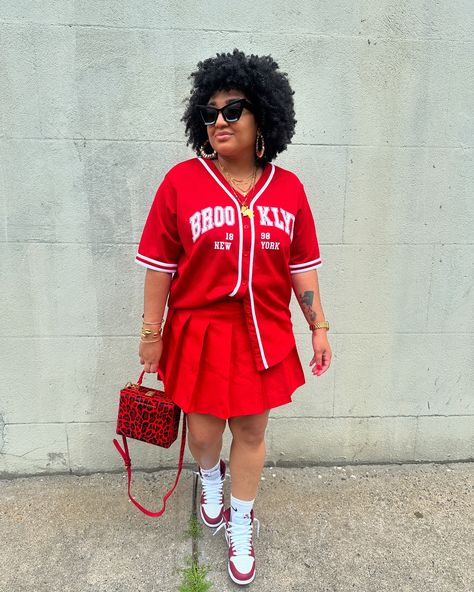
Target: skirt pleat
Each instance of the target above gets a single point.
(208, 366)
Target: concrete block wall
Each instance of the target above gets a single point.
(91, 95)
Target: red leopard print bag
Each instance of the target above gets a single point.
(147, 414)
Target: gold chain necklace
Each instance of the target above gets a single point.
(245, 179)
(244, 209)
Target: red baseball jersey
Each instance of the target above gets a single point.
(195, 230)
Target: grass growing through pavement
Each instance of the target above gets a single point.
(194, 528)
(194, 578)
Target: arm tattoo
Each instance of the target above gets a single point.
(306, 303)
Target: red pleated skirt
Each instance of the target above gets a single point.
(208, 366)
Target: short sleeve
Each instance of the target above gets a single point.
(160, 248)
(304, 250)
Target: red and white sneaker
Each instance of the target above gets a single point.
(239, 538)
(212, 499)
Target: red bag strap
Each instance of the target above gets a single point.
(128, 465)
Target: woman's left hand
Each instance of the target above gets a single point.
(322, 352)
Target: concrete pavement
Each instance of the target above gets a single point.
(403, 528)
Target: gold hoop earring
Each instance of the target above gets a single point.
(259, 151)
(204, 154)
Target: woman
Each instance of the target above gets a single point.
(228, 236)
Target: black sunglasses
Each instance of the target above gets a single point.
(231, 112)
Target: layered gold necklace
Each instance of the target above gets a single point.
(243, 186)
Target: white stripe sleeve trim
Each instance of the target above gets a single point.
(292, 271)
(154, 267)
(156, 262)
(297, 265)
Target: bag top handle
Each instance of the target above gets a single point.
(158, 376)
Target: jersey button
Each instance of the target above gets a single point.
(246, 226)
(246, 253)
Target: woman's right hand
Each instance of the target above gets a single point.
(150, 354)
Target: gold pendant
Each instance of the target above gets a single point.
(246, 211)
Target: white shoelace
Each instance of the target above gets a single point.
(211, 490)
(239, 536)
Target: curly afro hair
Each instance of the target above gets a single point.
(259, 79)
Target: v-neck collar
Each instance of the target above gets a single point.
(263, 177)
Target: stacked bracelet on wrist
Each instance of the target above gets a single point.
(147, 335)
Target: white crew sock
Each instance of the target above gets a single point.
(240, 510)
(213, 474)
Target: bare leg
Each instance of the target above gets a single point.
(247, 453)
(205, 438)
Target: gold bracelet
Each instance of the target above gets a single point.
(319, 325)
(158, 323)
(147, 333)
(150, 341)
